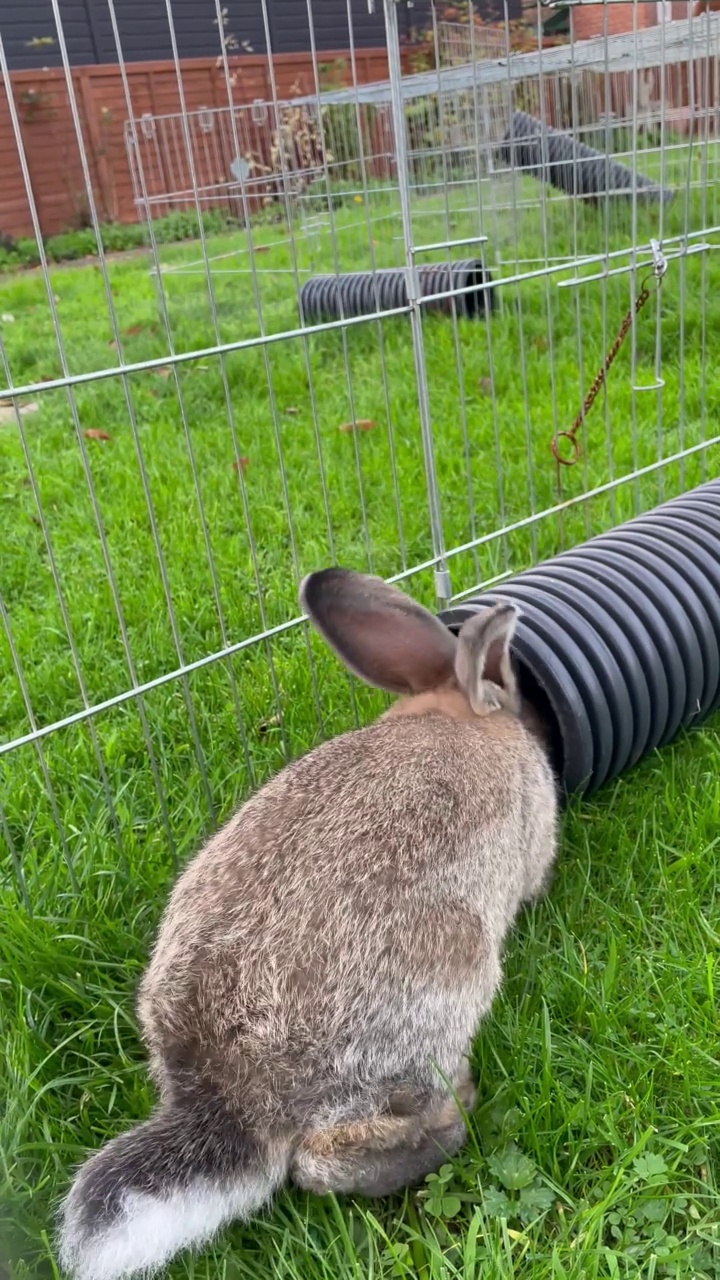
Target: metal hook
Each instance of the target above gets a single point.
(659, 260)
(649, 386)
(659, 268)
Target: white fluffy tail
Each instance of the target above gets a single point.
(167, 1185)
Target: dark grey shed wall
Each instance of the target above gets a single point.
(145, 34)
(25, 26)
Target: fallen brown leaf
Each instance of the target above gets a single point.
(262, 248)
(94, 433)
(360, 424)
(486, 386)
(164, 371)
(113, 344)
(292, 410)
(241, 464)
(541, 342)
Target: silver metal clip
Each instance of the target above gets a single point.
(443, 589)
(659, 259)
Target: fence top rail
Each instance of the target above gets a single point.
(676, 41)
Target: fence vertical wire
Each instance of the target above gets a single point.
(442, 583)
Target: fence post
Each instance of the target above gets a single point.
(442, 576)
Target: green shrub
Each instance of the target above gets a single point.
(70, 245)
(117, 237)
(27, 251)
(17, 253)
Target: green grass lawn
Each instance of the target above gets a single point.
(594, 1146)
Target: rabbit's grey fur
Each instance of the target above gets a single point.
(325, 960)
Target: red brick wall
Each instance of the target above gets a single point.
(590, 19)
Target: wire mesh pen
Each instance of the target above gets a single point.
(161, 656)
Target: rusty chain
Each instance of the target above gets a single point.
(658, 271)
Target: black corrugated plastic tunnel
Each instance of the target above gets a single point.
(553, 156)
(360, 293)
(618, 642)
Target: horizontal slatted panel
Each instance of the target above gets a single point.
(30, 36)
(144, 30)
(291, 25)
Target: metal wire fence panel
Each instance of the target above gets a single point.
(181, 443)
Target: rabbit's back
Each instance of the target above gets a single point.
(324, 962)
(382, 865)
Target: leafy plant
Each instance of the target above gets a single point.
(522, 1195)
(519, 34)
(297, 149)
(69, 246)
(231, 44)
(440, 1201)
(35, 103)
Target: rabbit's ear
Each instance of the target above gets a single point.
(483, 667)
(379, 633)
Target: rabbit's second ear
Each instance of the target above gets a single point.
(483, 667)
(378, 632)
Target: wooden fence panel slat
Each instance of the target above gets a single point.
(49, 137)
